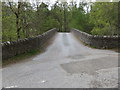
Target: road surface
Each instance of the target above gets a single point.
(66, 63)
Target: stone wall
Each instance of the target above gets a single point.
(10, 49)
(97, 41)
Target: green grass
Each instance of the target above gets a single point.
(113, 49)
(26, 56)
(116, 50)
(20, 57)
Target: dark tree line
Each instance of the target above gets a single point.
(23, 19)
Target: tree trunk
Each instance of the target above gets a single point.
(65, 28)
(17, 26)
(17, 14)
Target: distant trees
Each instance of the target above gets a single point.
(79, 17)
(8, 24)
(119, 17)
(41, 18)
(105, 18)
(24, 19)
(17, 12)
(102, 19)
(16, 19)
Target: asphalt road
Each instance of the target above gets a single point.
(66, 63)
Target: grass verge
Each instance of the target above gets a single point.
(27, 55)
(113, 49)
(19, 58)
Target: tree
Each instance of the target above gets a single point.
(104, 16)
(8, 24)
(17, 12)
(25, 19)
(57, 14)
(78, 18)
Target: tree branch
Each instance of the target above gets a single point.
(12, 8)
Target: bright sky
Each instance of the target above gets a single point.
(53, 1)
(50, 1)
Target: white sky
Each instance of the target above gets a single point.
(50, 2)
(53, 1)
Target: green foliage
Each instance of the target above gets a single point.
(80, 19)
(57, 14)
(105, 17)
(32, 22)
(8, 25)
(101, 19)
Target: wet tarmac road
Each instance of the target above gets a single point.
(66, 63)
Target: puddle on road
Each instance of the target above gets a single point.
(90, 66)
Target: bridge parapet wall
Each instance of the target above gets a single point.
(10, 49)
(96, 40)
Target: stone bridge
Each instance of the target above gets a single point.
(66, 62)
